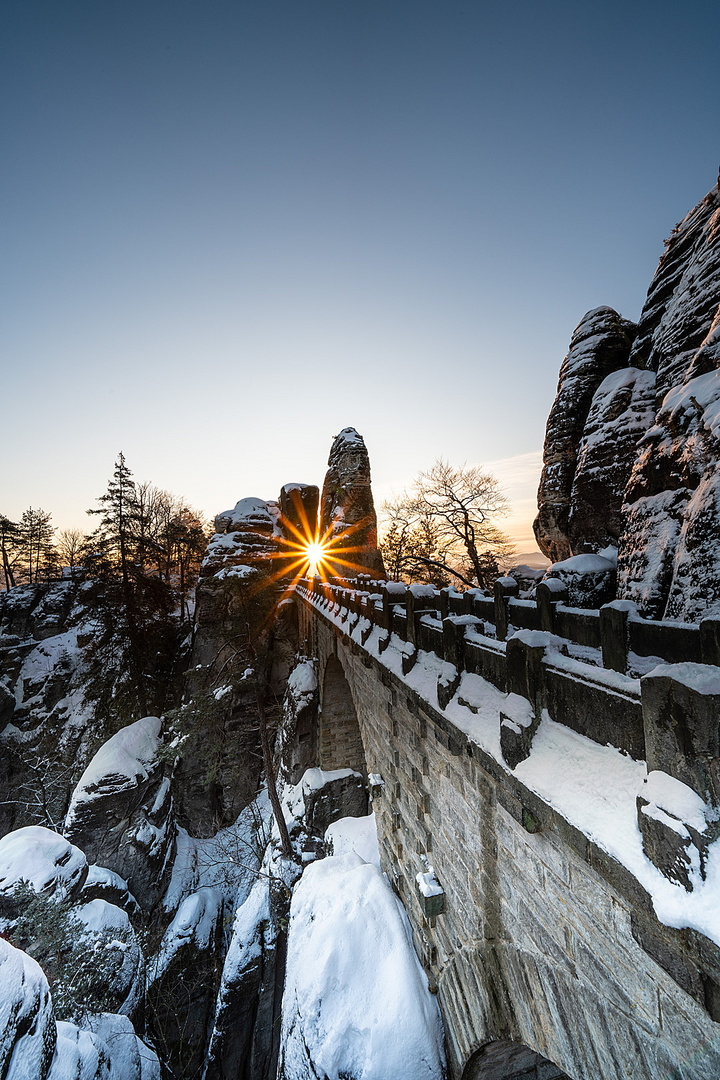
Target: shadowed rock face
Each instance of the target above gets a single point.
(120, 814)
(299, 510)
(347, 504)
(600, 345)
(621, 412)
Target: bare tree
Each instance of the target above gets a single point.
(68, 544)
(445, 525)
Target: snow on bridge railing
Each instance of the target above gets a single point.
(668, 716)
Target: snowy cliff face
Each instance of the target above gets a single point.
(347, 509)
(47, 732)
(621, 412)
(631, 454)
(669, 557)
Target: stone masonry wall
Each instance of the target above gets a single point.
(544, 940)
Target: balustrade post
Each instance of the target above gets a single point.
(615, 634)
(678, 808)
(547, 595)
(504, 588)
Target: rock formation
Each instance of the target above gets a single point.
(669, 557)
(600, 345)
(633, 439)
(120, 811)
(347, 511)
(45, 735)
(299, 511)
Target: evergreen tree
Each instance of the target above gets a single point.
(37, 555)
(129, 660)
(10, 548)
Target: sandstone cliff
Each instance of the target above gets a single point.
(347, 510)
(633, 439)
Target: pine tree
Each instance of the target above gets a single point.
(10, 548)
(129, 661)
(37, 556)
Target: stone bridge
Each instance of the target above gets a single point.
(535, 918)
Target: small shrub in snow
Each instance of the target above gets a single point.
(80, 967)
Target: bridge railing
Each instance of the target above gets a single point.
(670, 717)
(621, 637)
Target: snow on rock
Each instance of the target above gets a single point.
(323, 796)
(27, 1022)
(107, 928)
(662, 445)
(356, 1001)
(297, 735)
(358, 834)
(250, 513)
(79, 1055)
(428, 884)
(120, 811)
(44, 859)
(104, 884)
(302, 680)
(590, 579)
(182, 980)
(622, 411)
(666, 794)
(246, 1024)
(127, 757)
(226, 862)
(106, 1049)
(195, 925)
(130, 1057)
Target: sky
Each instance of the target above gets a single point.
(230, 229)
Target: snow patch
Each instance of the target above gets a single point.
(356, 999)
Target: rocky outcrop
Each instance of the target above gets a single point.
(347, 510)
(45, 732)
(632, 453)
(182, 981)
(682, 301)
(120, 811)
(621, 412)
(297, 742)
(669, 553)
(299, 511)
(241, 611)
(245, 1038)
(600, 345)
(27, 1022)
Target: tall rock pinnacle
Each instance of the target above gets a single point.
(346, 507)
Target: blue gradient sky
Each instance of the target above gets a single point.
(228, 230)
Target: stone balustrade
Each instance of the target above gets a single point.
(668, 717)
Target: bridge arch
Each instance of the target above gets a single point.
(340, 744)
(506, 1060)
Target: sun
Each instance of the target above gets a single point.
(315, 553)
